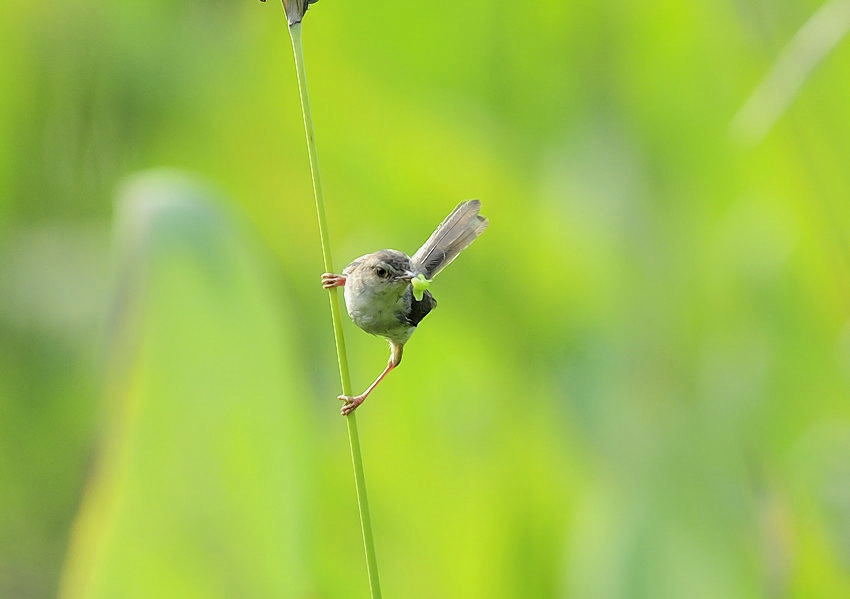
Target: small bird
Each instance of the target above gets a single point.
(378, 292)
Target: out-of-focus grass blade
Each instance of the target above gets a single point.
(196, 491)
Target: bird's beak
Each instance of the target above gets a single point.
(408, 274)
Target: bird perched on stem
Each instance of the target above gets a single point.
(379, 296)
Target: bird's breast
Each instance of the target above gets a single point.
(376, 311)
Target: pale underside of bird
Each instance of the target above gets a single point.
(378, 294)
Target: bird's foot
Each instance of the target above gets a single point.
(330, 280)
(351, 403)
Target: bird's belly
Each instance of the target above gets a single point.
(377, 318)
(379, 322)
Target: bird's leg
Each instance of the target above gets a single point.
(330, 280)
(351, 402)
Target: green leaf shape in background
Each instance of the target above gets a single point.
(198, 485)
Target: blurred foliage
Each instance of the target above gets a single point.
(635, 384)
(194, 420)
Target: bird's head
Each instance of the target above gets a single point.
(383, 271)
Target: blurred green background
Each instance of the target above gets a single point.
(636, 383)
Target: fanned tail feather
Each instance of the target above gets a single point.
(451, 237)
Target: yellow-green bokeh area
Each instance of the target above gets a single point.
(635, 384)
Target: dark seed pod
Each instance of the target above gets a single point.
(295, 9)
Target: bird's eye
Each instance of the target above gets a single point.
(381, 272)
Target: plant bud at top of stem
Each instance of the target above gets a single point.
(295, 9)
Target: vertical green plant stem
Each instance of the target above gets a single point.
(342, 357)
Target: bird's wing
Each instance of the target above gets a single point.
(419, 309)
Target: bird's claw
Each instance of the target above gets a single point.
(330, 280)
(351, 403)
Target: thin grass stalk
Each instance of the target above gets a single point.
(339, 337)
